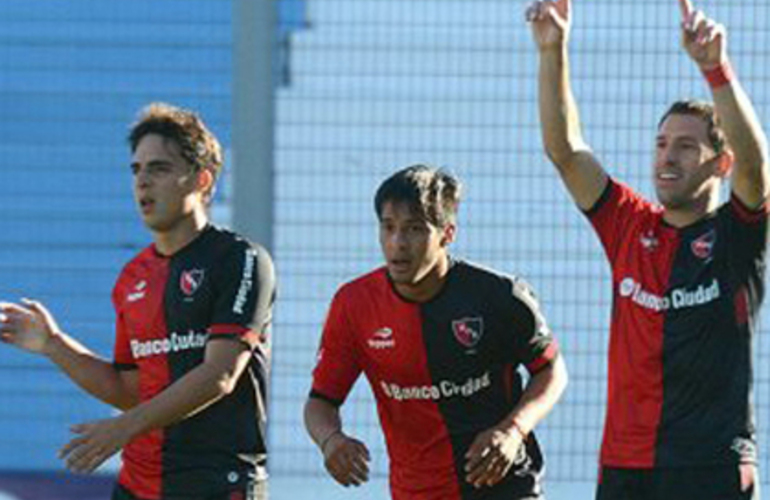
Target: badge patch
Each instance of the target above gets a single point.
(468, 331)
(703, 245)
(190, 281)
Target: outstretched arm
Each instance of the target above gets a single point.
(581, 172)
(29, 326)
(706, 43)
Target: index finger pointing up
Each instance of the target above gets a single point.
(686, 7)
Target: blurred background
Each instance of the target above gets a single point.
(316, 102)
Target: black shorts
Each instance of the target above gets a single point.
(721, 482)
(253, 491)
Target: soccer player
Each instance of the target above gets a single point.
(440, 341)
(687, 274)
(192, 337)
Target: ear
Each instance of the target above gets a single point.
(205, 181)
(725, 162)
(448, 235)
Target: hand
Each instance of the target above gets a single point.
(748, 476)
(346, 459)
(704, 39)
(491, 455)
(28, 326)
(550, 22)
(97, 442)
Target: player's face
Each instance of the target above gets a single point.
(165, 185)
(686, 165)
(415, 251)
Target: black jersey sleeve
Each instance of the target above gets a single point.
(245, 292)
(534, 343)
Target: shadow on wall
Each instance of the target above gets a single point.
(54, 486)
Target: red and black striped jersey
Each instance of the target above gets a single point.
(219, 286)
(441, 372)
(685, 304)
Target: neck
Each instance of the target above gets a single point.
(428, 286)
(681, 217)
(170, 241)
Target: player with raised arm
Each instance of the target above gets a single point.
(687, 273)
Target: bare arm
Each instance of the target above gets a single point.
(494, 451)
(224, 363)
(29, 326)
(581, 172)
(345, 458)
(706, 43)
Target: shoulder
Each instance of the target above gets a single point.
(140, 266)
(227, 244)
(373, 282)
(499, 285)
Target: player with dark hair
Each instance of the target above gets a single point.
(687, 274)
(440, 341)
(192, 353)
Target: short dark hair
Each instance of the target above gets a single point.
(196, 142)
(432, 193)
(706, 112)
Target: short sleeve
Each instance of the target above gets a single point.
(612, 214)
(535, 344)
(337, 364)
(245, 292)
(123, 358)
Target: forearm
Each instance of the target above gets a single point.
(322, 419)
(562, 135)
(92, 373)
(198, 389)
(541, 394)
(744, 133)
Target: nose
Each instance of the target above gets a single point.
(141, 177)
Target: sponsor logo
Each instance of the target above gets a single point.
(468, 331)
(744, 447)
(174, 343)
(648, 240)
(139, 291)
(247, 281)
(703, 245)
(191, 280)
(382, 339)
(442, 390)
(677, 298)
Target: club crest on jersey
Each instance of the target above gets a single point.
(703, 245)
(468, 331)
(190, 281)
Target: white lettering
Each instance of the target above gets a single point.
(444, 389)
(676, 298)
(174, 343)
(246, 281)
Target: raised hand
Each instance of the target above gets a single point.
(550, 20)
(704, 39)
(28, 326)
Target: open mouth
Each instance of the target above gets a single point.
(146, 204)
